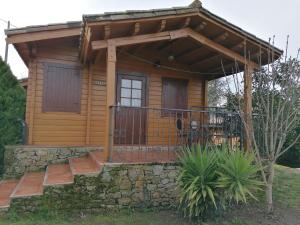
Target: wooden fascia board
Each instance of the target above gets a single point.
(43, 35)
(171, 35)
(138, 39)
(258, 43)
(219, 48)
(122, 21)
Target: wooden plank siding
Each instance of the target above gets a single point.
(88, 126)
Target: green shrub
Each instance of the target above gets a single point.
(238, 176)
(197, 182)
(211, 178)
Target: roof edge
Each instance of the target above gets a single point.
(39, 28)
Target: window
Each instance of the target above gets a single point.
(62, 88)
(174, 94)
(131, 92)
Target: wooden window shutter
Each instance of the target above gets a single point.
(62, 88)
(174, 94)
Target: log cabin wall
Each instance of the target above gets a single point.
(87, 128)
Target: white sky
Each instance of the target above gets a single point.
(263, 18)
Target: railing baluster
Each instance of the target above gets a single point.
(149, 134)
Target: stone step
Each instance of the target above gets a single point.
(6, 189)
(98, 157)
(58, 174)
(31, 184)
(84, 166)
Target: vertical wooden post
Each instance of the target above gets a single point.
(205, 93)
(248, 106)
(89, 105)
(110, 96)
(32, 95)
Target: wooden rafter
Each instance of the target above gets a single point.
(138, 39)
(217, 47)
(220, 37)
(171, 35)
(200, 26)
(107, 32)
(86, 42)
(162, 25)
(43, 35)
(206, 60)
(186, 22)
(136, 29)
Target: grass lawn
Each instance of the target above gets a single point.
(286, 195)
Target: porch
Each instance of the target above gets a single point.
(144, 134)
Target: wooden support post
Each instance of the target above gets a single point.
(205, 93)
(89, 106)
(110, 97)
(32, 95)
(248, 107)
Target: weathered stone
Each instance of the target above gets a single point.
(19, 159)
(117, 187)
(157, 169)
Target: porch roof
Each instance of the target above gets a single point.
(189, 53)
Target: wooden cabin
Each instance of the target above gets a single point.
(133, 80)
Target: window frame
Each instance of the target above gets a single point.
(50, 109)
(184, 83)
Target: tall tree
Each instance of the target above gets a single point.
(276, 107)
(216, 92)
(12, 108)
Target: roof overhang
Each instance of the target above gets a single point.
(203, 30)
(25, 38)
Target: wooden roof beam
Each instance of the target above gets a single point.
(162, 25)
(171, 35)
(43, 35)
(186, 22)
(136, 29)
(220, 37)
(86, 42)
(200, 26)
(139, 39)
(219, 48)
(217, 39)
(107, 32)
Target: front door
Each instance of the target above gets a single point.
(130, 122)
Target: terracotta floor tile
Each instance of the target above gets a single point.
(144, 157)
(6, 189)
(59, 174)
(97, 156)
(31, 184)
(137, 156)
(84, 165)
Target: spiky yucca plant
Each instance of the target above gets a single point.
(197, 181)
(238, 176)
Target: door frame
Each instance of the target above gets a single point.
(133, 74)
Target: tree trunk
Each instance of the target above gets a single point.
(269, 188)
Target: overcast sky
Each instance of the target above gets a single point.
(263, 18)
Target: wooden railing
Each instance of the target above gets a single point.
(155, 134)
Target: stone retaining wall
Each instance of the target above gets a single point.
(18, 159)
(117, 186)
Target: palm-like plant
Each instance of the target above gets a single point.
(238, 176)
(197, 181)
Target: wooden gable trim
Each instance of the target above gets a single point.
(171, 35)
(43, 35)
(139, 39)
(219, 48)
